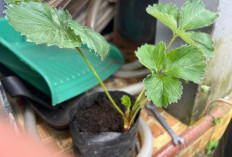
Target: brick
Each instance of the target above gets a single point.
(156, 129)
(195, 146)
(170, 119)
(162, 140)
(66, 142)
(54, 146)
(154, 148)
(179, 128)
(68, 153)
(148, 117)
(160, 109)
(43, 133)
(185, 153)
(143, 114)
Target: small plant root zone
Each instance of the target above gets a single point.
(100, 116)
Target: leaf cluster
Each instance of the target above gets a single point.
(163, 85)
(42, 23)
(193, 15)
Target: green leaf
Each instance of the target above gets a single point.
(125, 100)
(168, 14)
(186, 36)
(93, 39)
(152, 56)
(194, 15)
(205, 89)
(19, 1)
(186, 63)
(217, 120)
(162, 90)
(202, 41)
(42, 24)
(211, 146)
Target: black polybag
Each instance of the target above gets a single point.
(104, 144)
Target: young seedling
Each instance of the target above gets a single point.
(41, 23)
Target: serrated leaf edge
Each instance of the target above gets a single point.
(204, 7)
(200, 53)
(22, 34)
(84, 42)
(193, 44)
(177, 21)
(169, 102)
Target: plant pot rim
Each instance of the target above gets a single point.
(146, 139)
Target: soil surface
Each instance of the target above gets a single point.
(100, 117)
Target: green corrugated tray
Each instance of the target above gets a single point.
(59, 73)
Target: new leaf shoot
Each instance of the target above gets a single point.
(125, 100)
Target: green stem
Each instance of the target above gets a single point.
(173, 38)
(138, 100)
(101, 83)
(137, 110)
(127, 121)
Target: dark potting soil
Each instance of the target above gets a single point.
(100, 117)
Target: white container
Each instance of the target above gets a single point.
(146, 139)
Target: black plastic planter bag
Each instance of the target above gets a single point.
(103, 144)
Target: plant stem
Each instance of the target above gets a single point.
(137, 106)
(127, 121)
(138, 100)
(173, 38)
(102, 84)
(137, 110)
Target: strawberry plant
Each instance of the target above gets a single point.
(187, 62)
(41, 23)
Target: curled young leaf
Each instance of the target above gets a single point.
(168, 14)
(162, 90)
(186, 63)
(93, 39)
(194, 15)
(41, 23)
(152, 56)
(125, 100)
